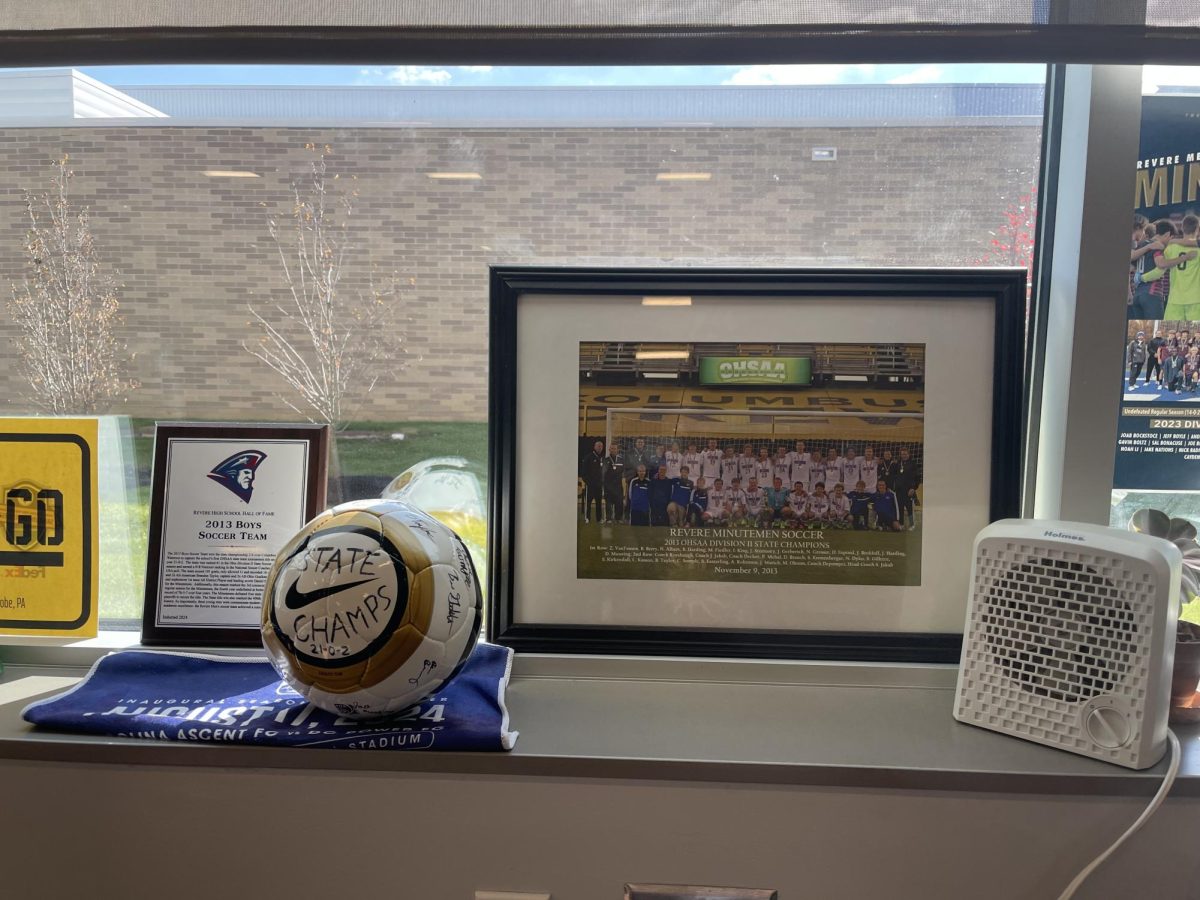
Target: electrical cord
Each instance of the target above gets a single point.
(1155, 803)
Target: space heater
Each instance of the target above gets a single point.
(1070, 637)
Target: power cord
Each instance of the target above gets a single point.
(1155, 803)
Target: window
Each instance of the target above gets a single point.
(199, 182)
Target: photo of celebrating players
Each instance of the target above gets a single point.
(752, 462)
(1164, 282)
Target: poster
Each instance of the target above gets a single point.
(49, 547)
(719, 462)
(1158, 444)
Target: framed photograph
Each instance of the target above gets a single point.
(786, 464)
(225, 499)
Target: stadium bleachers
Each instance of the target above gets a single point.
(875, 362)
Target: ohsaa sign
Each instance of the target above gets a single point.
(781, 370)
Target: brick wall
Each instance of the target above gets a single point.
(193, 252)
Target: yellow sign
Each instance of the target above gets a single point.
(49, 570)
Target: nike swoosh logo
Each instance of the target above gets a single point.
(295, 599)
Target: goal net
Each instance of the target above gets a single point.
(847, 433)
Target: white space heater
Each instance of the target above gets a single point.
(1070, 638)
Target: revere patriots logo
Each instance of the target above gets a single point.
(237, 472)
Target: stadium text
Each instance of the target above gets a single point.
(723, 403)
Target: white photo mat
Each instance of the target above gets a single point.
(959, 339)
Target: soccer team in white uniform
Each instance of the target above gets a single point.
(796, 487)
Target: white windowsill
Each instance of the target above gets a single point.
(745, 721)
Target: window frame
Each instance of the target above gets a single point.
(101, 47)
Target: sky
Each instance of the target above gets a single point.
(1153, 77)
(563, 76)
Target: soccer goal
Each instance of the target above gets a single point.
(820, 430)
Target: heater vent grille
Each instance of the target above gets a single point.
(1050, 629)
(1060, 629)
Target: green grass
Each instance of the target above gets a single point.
(852, 557)
(124, 534)
(362, 449)
(367, 448)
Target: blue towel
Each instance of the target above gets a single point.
(169, 696)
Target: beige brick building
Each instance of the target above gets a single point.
(194, 253)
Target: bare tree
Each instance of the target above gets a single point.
(67, 309)
(328, 338)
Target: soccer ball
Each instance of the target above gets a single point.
(373, 606)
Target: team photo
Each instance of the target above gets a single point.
(752, 462)
(1162, 361)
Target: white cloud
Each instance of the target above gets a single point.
(815, 74)
(1154, 76)
(923, 75)
(416, 75)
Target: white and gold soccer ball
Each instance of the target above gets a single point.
(373, 606)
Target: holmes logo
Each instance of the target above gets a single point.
(236, 473)
(1064, 535)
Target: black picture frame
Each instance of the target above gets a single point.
(317, 437)
(1005, 289)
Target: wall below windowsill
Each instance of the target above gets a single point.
(710, 721)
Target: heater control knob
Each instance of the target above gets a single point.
(1108, 727)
